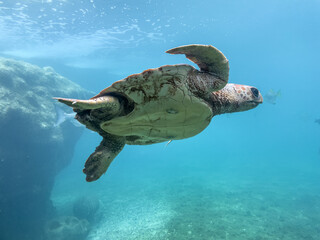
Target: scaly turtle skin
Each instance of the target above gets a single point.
(171, 102)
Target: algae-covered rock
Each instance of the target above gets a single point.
(33, 149)
(28, 90)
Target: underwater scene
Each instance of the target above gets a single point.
(213, 132)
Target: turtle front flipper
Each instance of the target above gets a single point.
(208, 58)
(93, 103)
(99, 161)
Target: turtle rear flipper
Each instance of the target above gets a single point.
(208, 58)
(99, 161)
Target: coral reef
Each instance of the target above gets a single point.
(33, 149)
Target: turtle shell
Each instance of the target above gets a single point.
(164, 107)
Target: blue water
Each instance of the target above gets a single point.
(250, 175)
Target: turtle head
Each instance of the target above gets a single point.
(235, 98)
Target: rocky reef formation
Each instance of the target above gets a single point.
(66, 228)
(33, 149)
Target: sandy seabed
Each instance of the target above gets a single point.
(202, 208)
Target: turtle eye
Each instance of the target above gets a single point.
(255, 92)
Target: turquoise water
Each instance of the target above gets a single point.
(250, 175)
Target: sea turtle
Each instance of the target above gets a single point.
(171, 102)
